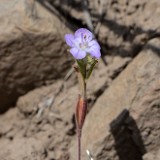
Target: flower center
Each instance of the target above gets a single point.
(83, 46)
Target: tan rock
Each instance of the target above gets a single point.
(124, 122)
(22, 149)
(32, 47)
(155, 155)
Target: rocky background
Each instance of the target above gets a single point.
(38, 91)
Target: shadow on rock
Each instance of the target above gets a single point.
(128, 141)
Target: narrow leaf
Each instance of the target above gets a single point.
(91, 68)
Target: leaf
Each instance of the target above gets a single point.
(82, 67)
(91, 68)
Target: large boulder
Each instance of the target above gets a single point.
(32, 48)
(124, 122)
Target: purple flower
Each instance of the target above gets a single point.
(81, 43)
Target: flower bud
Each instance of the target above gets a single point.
(81, 110)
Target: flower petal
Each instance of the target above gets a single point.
(94, 44)
(94, 52)
(69, 39)
(77, 41)
(78, 54)
(85, 34)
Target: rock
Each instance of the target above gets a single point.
(48, 98)
(155, 155)
(31, 49)
(124, 121)
(38, 98)
(22, 149)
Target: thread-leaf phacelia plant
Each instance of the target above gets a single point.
(86, 50)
